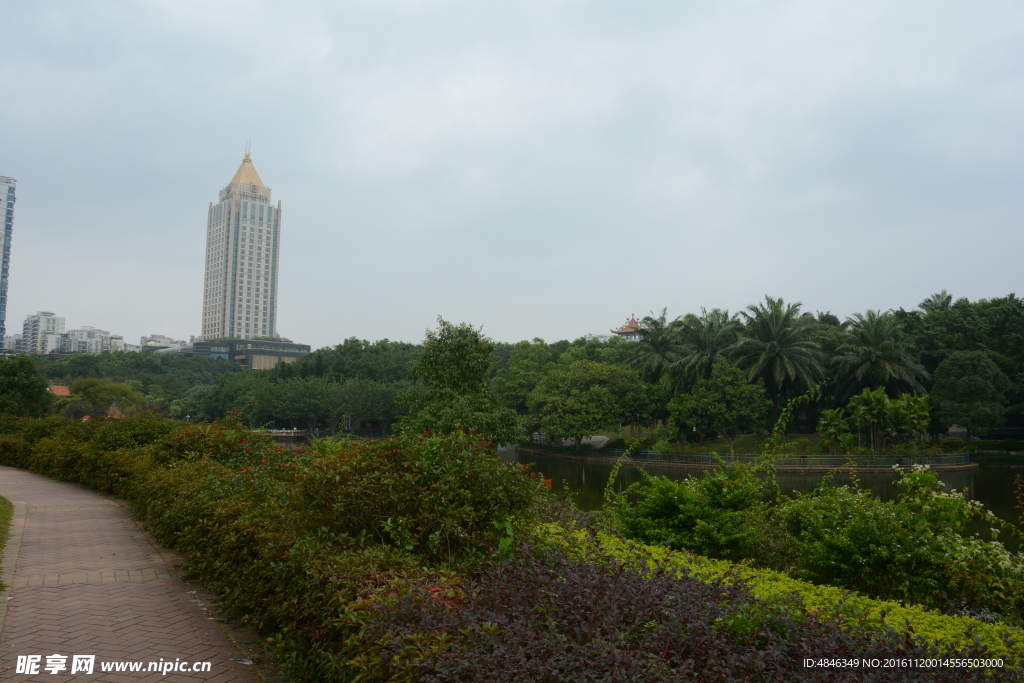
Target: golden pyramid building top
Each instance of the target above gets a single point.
(247, 174)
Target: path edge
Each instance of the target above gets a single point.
(9, 555)
(246, 641)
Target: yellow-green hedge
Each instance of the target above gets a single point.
(771, 585)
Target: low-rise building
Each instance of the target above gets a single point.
(158, 343)
(252, 354)
(12, 344)
(44, 333)
(87, 339)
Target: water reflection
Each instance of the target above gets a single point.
(992, 483)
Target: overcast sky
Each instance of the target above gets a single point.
(538, 168)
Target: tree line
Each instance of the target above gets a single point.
(694, 376)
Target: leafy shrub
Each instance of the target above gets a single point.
(663, 446)
(440, 497)
(952, 444)
(12, 424)
(59, 454)
(140, 429)
(554, 616)
(716, 515)
(911, 549)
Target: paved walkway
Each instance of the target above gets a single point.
(83, 580)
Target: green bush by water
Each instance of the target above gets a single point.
(912, 549)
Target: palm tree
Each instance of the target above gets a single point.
(658, 347)
(869, 409)
(778, 347)
(940, 301)
(875, 353)
(707, 338)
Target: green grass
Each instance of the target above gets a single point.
(6, 510)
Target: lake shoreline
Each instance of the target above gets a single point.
(700, 467)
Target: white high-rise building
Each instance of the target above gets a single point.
(242, 238)
(41, 332)
(7, 186)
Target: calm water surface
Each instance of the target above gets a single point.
(992, 483)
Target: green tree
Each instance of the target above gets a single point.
(707, 339)
(453, 370)
(99, 395)
(725, 403)
(887, 418)
(659, 346)
(909, 417)
(163, 378)
(615, 351)
(937, 302)
(969, 390)
(834, 430)
(828, 319)
(874, 353)
(191, 403)
(995, 326)
(580, 399)
(511, 386)
(363, 399)
(639, 408)
(305, 402)
(247, 392)
(23, 391)
(868, 410)
(380, 361)
(778, 347)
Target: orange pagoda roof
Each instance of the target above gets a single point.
(632, 325)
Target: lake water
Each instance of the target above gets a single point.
(992, 483)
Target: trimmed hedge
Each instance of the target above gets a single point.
(773, 586)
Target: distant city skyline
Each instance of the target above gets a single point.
(538, 169)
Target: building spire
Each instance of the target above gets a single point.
(246, 173)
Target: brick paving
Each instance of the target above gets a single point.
(84, 580)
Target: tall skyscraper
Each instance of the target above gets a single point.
(242, 238)
(7, 197)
